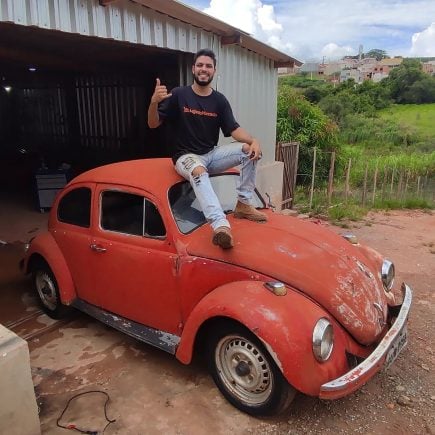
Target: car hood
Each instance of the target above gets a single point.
(311, 259)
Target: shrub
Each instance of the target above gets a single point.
(301, 121)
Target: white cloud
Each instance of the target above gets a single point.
(314, 28)
(333, 51)
(251, 16)
(239, 13)
(267, 20)
(423, 43)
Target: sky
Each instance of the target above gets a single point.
(330, 29)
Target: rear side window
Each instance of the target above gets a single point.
(75, 207)
(128, 213)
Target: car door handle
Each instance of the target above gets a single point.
(97, 248)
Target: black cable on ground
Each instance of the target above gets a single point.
(73, 426)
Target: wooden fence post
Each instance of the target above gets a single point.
(393, 173)
(346, 191)
(407, 183)
(384, 181)
(418, 185)
(331, 177)
(375, 179)
(399, 185)
(364, 195)
(312, 177)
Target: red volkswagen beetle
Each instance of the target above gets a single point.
(292, 307)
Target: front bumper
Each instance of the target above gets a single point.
(383, 355)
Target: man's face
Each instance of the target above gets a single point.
(203, 70)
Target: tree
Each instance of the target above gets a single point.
(301, 121)
(315, 93)
(421, 91)
(376, 53)
(403, 77)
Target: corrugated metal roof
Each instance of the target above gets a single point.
(164, 23)
(197, 18)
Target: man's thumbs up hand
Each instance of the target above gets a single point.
(160, 93)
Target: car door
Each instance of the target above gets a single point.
(134, 261)
(72, 231)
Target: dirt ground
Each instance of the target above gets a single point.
(152, 393)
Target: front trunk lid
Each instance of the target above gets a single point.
(312, 259)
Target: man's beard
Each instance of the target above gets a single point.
(202, 82)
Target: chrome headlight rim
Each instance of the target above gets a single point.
(387, 274)
(323, 339)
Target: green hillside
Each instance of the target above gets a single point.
(416, 116)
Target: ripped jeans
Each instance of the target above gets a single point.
(217, 160)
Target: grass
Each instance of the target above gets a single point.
(342, 213)
(418, 116)
(408, 203)
(401, 145)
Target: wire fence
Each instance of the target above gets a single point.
(365, 183)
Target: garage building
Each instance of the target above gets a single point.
(76, 77)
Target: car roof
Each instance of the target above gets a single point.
(152, 175)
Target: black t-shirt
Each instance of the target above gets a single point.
(196, 120)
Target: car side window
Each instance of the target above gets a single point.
(128, 213)
(75, 207)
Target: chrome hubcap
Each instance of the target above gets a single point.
(46, 290)
(244, 370)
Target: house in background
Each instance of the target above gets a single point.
(383, 68)
(351, 73)
(429, 67)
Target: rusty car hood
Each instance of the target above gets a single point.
(311, 259)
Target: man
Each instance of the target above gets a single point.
(197, 113)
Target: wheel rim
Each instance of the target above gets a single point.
(46, 290)
(244, 370)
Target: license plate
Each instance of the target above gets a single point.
(396, 347)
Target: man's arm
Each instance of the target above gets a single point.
(160, 94)
(241, 135)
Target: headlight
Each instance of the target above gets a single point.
(323, 339)
(387, 274)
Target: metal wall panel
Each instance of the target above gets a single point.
(249, 81)
(107, 111)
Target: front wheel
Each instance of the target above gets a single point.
(47, 290)
(246, 374)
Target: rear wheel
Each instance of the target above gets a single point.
(47, 290)
(246, 374)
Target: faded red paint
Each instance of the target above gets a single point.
(178, 283)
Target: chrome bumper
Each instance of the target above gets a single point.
(355, 378)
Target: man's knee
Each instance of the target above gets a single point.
(199, 170)
(246, 148)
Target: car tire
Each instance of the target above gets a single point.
(245, 373)
(47, 290)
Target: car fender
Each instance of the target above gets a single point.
(283, 323)
(45, 246)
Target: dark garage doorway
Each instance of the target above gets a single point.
(70, 103)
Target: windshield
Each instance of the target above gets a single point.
(186, 209)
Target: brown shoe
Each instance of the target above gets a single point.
(245, 211)
(222, 237)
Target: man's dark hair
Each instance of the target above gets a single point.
(205, 52)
